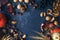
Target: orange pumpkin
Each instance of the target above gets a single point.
(2, 20)
(55, 30)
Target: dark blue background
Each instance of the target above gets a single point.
(30, 20)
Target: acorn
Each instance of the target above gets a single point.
(15, 34)
(42, 14)
(19, 6)
(26, 1)
(9, 4)
(31, 3)
(55, 22)
(52, 19)
(24, 36)
(48, 18)
(13, 22)
(25, 5)
(59, 8)
(9, 8)
(20, 0)
(49, 11)
(35, 6)
(4, 30)
(13, 13)
(11, 31)
(55, 14)
(55, 9)
(22, 9)
(15, 0)
(53, 4)
(57, 4)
